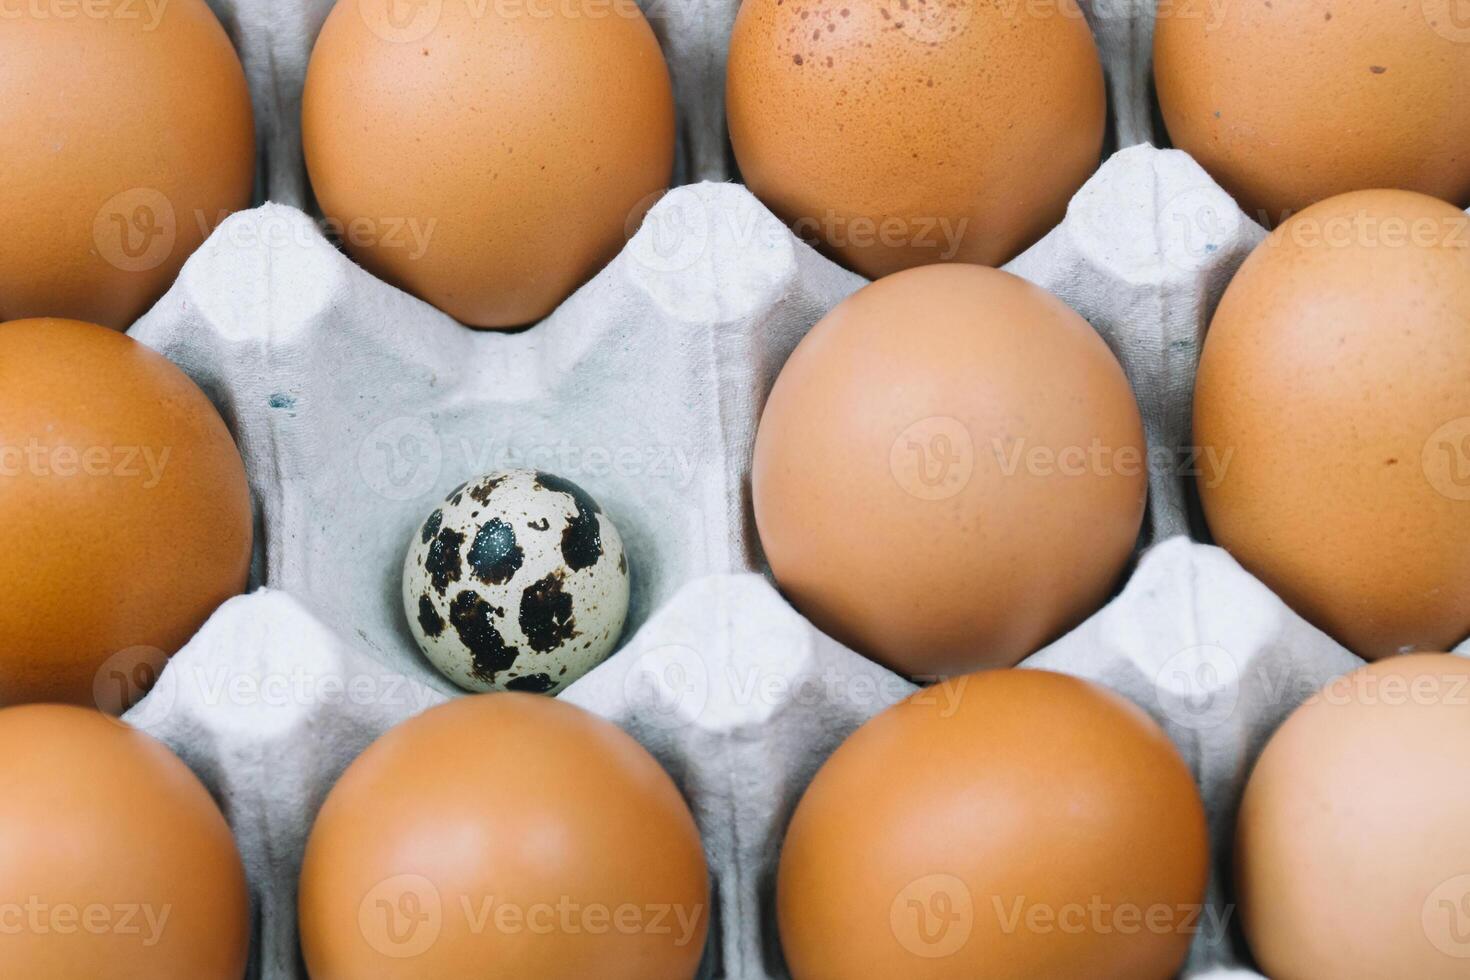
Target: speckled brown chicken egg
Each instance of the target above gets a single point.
(897, 133)
(1288, 104)
(1334, 386)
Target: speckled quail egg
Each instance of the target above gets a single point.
(517, 582)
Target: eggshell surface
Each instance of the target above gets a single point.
(1288, 104)
(1334, 384)
(126, 136)
(518, 582)
(491, 158)
(949, 471)
(897, 133)
(126, 513)
(116, 861)
(504, 835)
(999, 825)
(1351, 855)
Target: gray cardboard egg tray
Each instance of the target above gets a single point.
(357, 407)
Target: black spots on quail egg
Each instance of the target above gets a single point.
(581, 539)
(482, 489)
(532, 683)
(429, 619)
(474, 622)
(495, 556)
(431, 526)
(546, 613)
(443, 561)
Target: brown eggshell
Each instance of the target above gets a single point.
(1351, 855)
(125, 137)
(924, 478)
(126, 513)
(898, 133)
(1334, 388)
(1014, 824)
(115, 859)
(504, 835)
(1287, 104)
(491, 158)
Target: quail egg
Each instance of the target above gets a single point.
(517, 582)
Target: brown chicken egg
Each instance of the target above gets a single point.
(1334, 386)
(488, 158)
(126, 513)
(126, 136)
(1287, 104)
(504, 835)
(950, 471)
(115, 860)
(895, 134)
(1352, 860)
(1014, 824)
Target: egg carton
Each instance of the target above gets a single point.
(357, 408)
